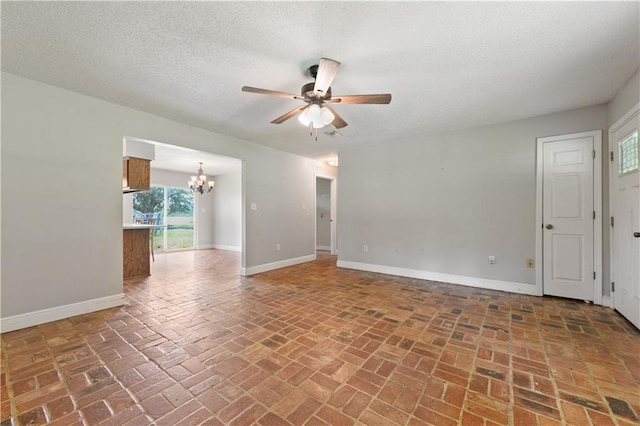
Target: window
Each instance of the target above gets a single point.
(628, 151)
(179, 219)
(172, 207)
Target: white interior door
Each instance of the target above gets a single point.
(625, 211)
(568, 216)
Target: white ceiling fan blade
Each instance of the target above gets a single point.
(327, 70)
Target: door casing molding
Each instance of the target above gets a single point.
(333, 212)
(597, 206)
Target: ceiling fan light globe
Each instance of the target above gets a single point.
(326, 116)
(304, 118)
(318, 125)
(314, 113)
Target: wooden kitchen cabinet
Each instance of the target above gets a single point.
(135, 247)
(136, 174)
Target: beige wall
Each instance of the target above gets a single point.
(627, 97)
(62, 239)
(443, 203)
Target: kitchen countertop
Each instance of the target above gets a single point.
(140, 226)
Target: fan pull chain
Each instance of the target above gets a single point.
(310, 128)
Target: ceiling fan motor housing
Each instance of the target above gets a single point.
(308, 93)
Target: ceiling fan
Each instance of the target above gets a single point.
(317, 112)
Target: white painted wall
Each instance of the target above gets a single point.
(226, 204)
(323, 214)
(62, 239)
(442, 204)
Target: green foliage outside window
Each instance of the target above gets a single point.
(180, 202)
(149, 201)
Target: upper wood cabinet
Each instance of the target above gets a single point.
(136, 174)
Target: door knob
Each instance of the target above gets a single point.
(549, 226)
(636, 234)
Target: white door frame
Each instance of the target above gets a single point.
(613, 174)
(597, 206)
(332, 213)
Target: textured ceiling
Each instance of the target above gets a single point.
(448, 65)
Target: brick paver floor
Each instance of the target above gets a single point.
(313, 344)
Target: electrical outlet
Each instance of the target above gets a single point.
(365, 248)
(530, 263)
(278, 247)
(492, 259)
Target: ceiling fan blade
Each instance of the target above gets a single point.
(362, 99)
(327, 70)
(338, 121)
(270, 92)
(288, 115)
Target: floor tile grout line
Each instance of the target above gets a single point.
(386, 290)
(115, 377)
(595, 380)
(63, 379)
(9, 383)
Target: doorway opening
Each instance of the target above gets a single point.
(326, 215)
(188, 220)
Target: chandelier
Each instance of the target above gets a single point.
(199, 183)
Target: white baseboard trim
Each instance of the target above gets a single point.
(30, 319)
(276, 265)
(484, 283)
(325, 248)
(219, 247)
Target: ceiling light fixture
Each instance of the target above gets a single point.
(199, 183)
(316, 117)
(333, 162)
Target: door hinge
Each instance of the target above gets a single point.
(594, 153)
(611, 155)
(594, 214)
(594, 275)
(613, 287)
(612, 221)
